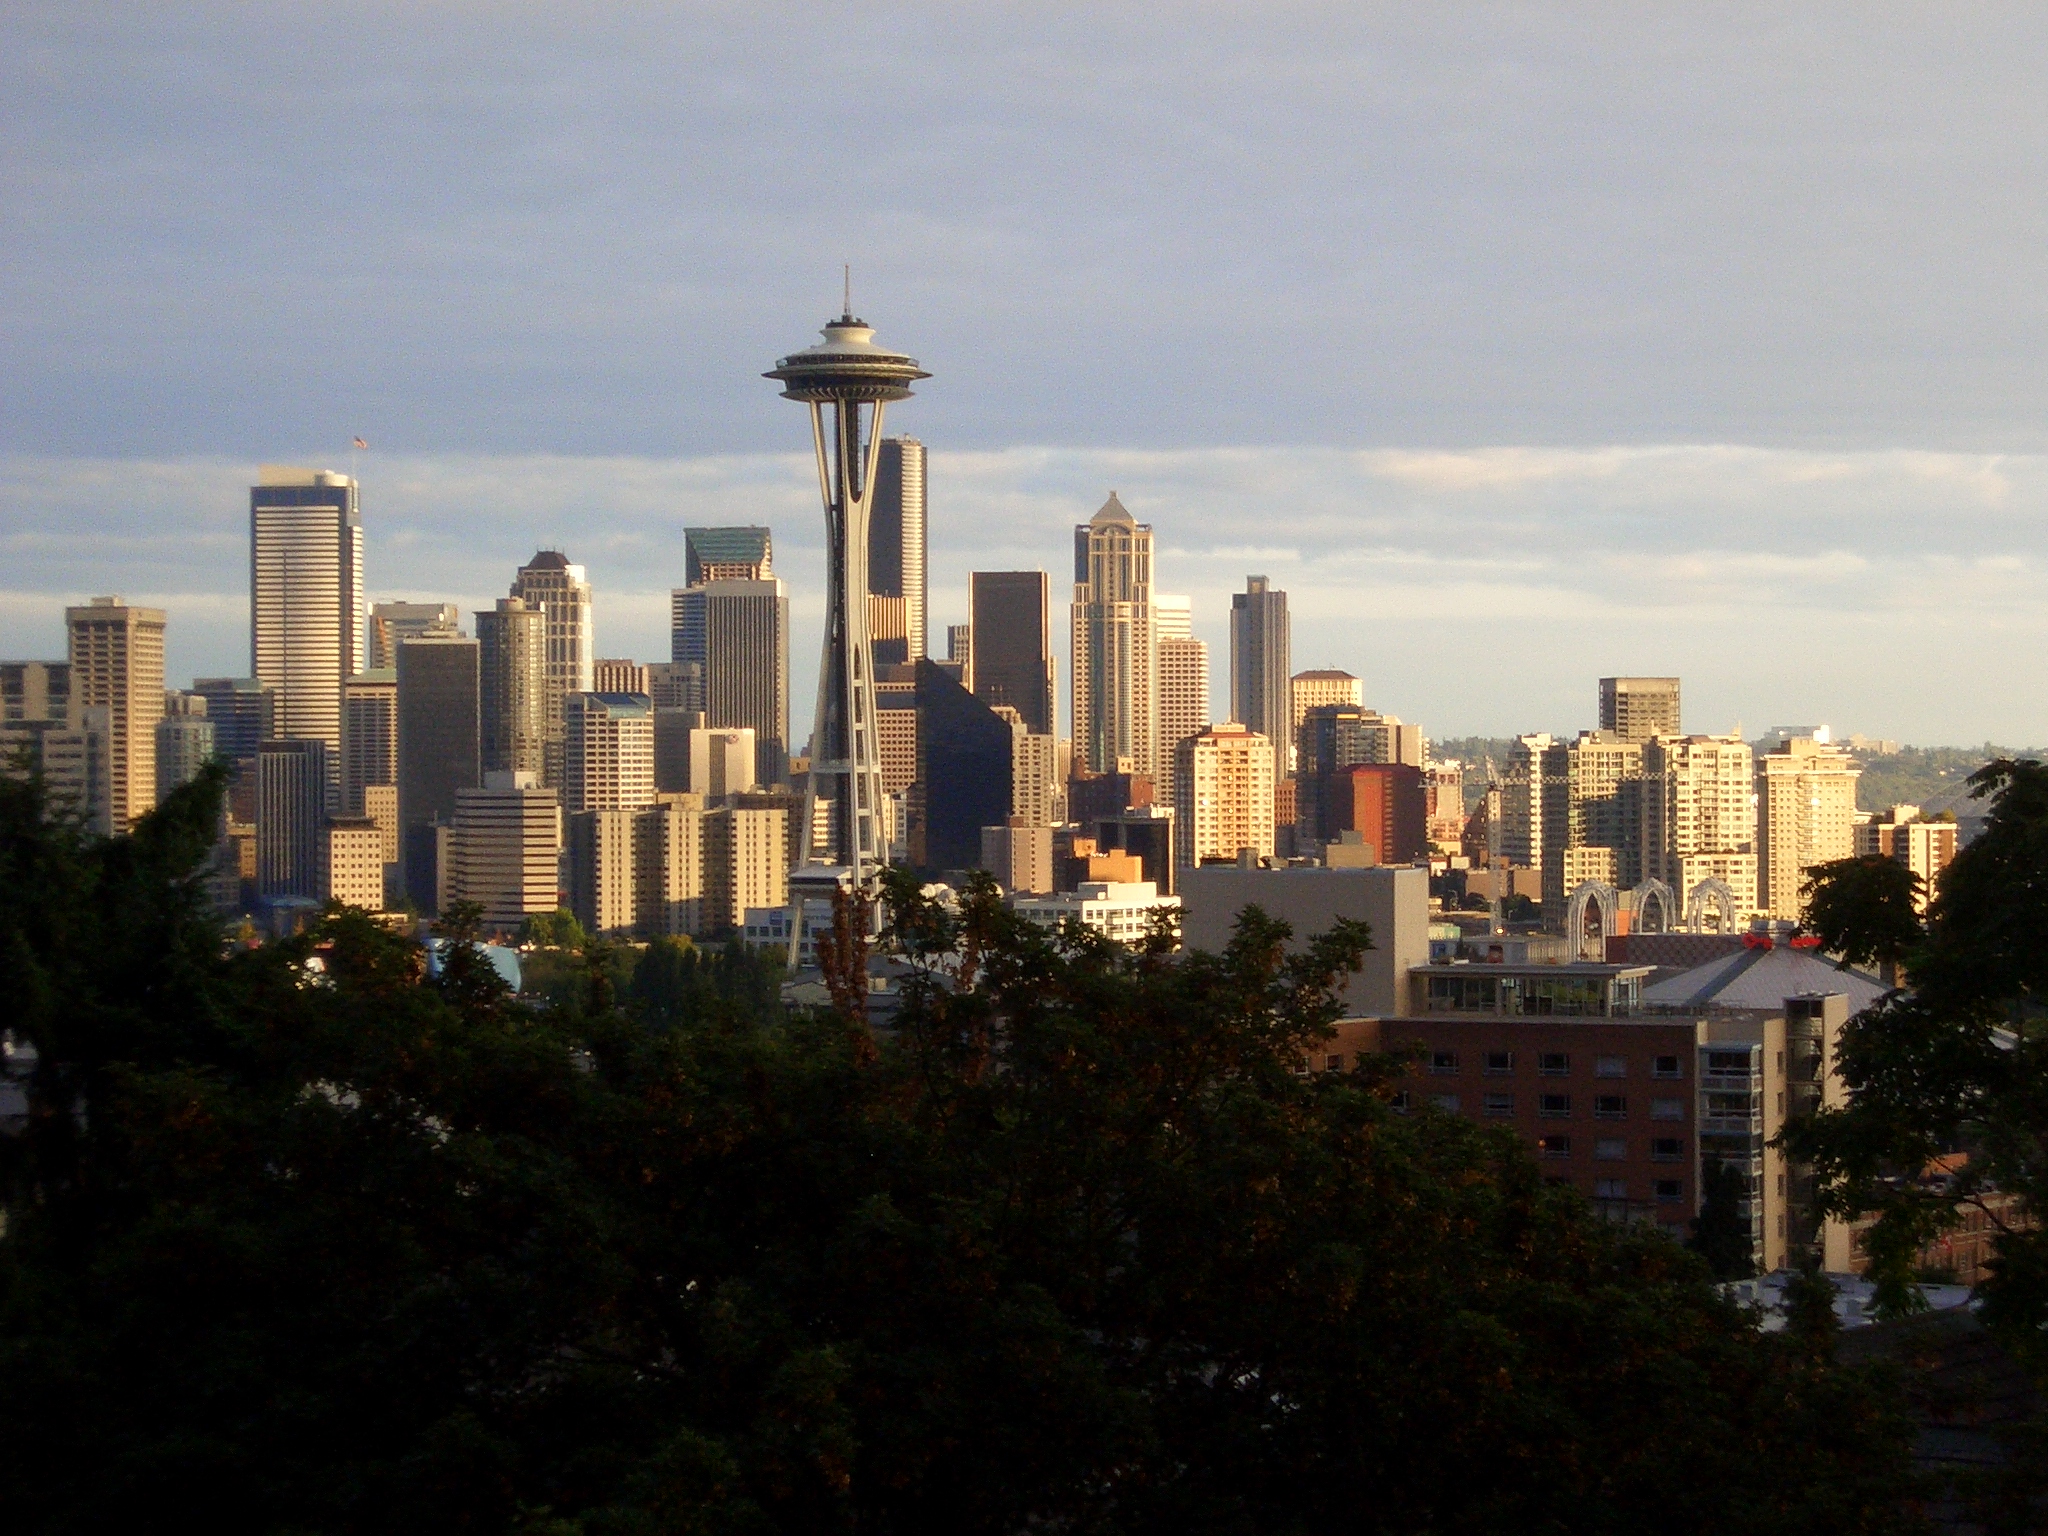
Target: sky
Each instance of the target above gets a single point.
(1520, 345)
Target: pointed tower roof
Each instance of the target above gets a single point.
(1113, 511)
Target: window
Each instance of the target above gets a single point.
(1554, 1106)
(1667, 1149)
(1781, 1104)
(1333, 1062)
(1610, 1189)
(1498, 1105)
(1554, 1146)
(1667, 1109)
(1401, 1102)
(1553, 1063)
(1443, 1063)
(1610, 1106)
(1781, 1186)
(1728, 1061)
(1500, 1061)
(1670, 1191)
(1447, 1102)
(1611, 1149)
(1668, 1066)
(1610, 1066)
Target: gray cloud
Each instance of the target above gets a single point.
(566, 229)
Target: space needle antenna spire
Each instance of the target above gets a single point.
(846, 380)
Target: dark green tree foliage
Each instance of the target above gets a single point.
(343, 1249)
(674, 982)
(1865, 910)
(1720, 1233)
(1955, 1063)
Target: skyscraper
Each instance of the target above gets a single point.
(369, 735)
(896, 552)
(117, 663)
(512, 688)
(1637, 708)
(1587, 817)
(727, 554)
(562, 591)
(437, 749)
(184, 742)
(306, 600)
(291, 817)
(396, 621)
(1224, 783)
(1260, 695)
(1697, 819)
(845, 818)
(1011, 634)
(736, 633)
(966, 756)
(1116, 704)
(1521, 802)
(1334, 737)
(1182, 678)
(505, 848)
(1805, 815)
(960, 651)
(621, 674)
(609, 752)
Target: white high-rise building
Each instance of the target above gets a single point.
(608, 752)
(1115, 654)
(306, 601)
(117, 664)
(721, 762)
(184, 742)
(1521, 802)
(1697, 816)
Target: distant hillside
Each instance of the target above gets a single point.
(1932, 778)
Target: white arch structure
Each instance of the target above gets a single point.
(1722, 895)
(1602, 898)
(1668, 912)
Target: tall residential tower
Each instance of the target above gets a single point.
(306, 601)
(1116, 701)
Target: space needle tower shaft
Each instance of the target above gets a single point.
(846, 381)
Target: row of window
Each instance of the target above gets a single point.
(1551, 1064)
(1663, 1149)
(1558, 1106)
(1668, 1191)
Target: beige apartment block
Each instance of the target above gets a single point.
(505, 850)
(1806, 815)
(369, 736)
(1183, 703)
(1637, 708)
(608, 752)
(601, 858)
(1225, 803)
(1696, 809)
(1037, 788)
(673, 885)
(1585, 807)
(117, 664)
(1924, 845)
(746, 851)
(355, 863)
(1019, 855)
(1325, 685)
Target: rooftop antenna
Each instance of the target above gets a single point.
(847, 309)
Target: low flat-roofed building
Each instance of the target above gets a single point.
(1122, 909)
(1393, 901)
(1577, 989)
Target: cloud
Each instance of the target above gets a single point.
(1484, 591)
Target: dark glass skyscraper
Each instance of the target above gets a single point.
(965, 759)
(1260, 696)
(1013, 644)
(437, 747)
(736, 633)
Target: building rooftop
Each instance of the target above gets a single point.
(1759, 980)
(1112, 511)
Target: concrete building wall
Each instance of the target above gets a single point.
(1394, 901)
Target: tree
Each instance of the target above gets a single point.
(1866, 910)
(1075, 1246)
(1720, 1233)
(1955, 1064)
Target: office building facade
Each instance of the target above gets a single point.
(512, 688)
(291, 818)
(1224, 795)
(560, 590)
(184, 742)
(1637, 708)
(727, 554)
(369, 735)
(1114, 655)
(306, 601)
(437, 749)
(117, 664)
(737, 633)
(896, 553)
(609, 752)
(1008, 646)
(395, 621)
(1183, 681)
(1260, 693)
(505, 848)
(966, 752)
(1805, 815)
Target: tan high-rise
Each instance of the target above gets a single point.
(1225, 803)
(562, 591)
(1637, 708)
(1697, 813)
(1116, 702)
(117, 663)
(1805, 815)
(1183, 681)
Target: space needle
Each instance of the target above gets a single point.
(846, 380)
